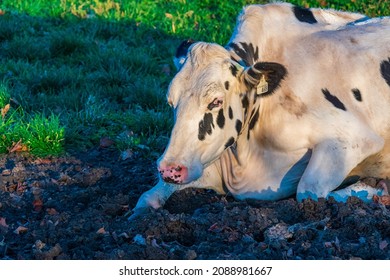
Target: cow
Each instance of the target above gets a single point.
(297, 103)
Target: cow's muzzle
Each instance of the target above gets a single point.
(176, 174)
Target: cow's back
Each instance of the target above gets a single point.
(352, 64)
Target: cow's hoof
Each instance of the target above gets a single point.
(138, 212)
(383, 186)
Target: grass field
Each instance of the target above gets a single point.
(75, 72)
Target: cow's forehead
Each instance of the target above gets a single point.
(204, 69)
(203, 54)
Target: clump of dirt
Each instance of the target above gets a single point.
(74, 207)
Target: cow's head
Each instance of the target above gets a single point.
(211, 95)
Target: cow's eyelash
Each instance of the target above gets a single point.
(217, 102)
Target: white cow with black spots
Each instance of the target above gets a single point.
(298, 101)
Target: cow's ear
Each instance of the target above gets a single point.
(265, 77)
(181, 53)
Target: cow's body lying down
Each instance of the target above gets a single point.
(298, 101)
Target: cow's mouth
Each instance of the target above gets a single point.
(180, 174)
(176, 174)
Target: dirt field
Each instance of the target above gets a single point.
(74, 208)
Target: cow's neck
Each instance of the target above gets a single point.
(252, 110)
(249, 47)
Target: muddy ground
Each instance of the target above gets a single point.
(75, 207)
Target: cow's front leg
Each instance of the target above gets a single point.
(331, 162)
(156, 196)
(153, 198)
(360, 190)
(159, 194)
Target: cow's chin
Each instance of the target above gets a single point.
(195, 171)
(181, 171)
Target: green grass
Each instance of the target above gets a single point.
(76, 71)
(21, 131)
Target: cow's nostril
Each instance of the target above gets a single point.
(178, 168)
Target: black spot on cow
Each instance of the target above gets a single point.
(245, 104)
(238, 126)
(221, 119)
(357, 94)
(254, 73)
(205, 126)
(274, 74)
(334, 100)
(229, 142)
(385, 70)
(234, 70)
(227, 85)
(230, 113)
(247, 52)
(253, 120)
(304, 15)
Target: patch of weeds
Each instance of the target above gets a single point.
(4, 96)
(94, 110)
(8, 119)
(146, 93)
(149, 145)
(147, 131)
(149, 122)
(87, 125)
(43, 135)
(133, 129)
(128, 140)
(35, 133)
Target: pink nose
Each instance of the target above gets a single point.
(176, 174)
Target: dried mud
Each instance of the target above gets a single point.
(75, 207)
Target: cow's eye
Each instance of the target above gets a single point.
(217, 102)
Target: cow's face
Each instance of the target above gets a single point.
(209, 96)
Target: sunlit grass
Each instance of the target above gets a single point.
(24, 132)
